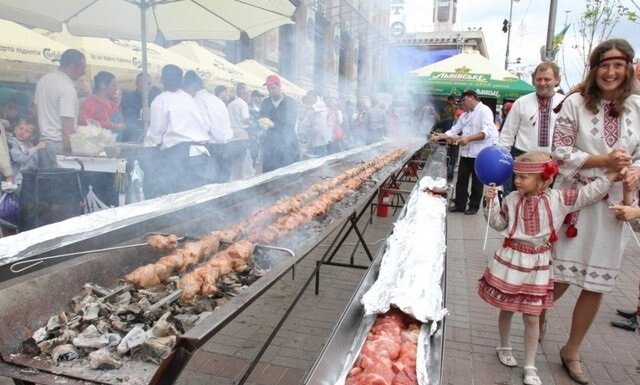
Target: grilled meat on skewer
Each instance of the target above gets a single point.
(160, 242)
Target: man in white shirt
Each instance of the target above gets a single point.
(56, 104)
(473, 131)
(530, 122)
(241, 164)
(316, 126)
(179, 129)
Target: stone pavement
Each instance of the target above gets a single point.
(609, 354)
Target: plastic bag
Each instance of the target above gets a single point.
(10, 208)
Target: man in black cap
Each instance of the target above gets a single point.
(473, 131)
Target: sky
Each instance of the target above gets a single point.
(528, 33)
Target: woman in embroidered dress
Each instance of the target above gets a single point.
(519, 277)
(596, 130)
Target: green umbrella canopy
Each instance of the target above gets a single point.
(468, 70)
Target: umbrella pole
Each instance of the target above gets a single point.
(145, 84)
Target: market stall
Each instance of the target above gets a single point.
(468, 70)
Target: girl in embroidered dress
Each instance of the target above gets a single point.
(596, 130)
(519, 277)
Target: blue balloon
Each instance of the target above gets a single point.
(494, 165)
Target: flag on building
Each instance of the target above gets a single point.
(557, 39)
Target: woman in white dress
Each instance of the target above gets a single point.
(596, 130)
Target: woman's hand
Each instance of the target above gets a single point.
(625, 213)
(618, 159)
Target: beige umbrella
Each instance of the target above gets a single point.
(26, 55)
(262, 72)
(102, 55)
(218, 65)
(158, 57)
(146, 19)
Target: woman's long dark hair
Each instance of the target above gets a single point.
(589, 88)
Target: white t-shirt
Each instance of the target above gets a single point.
(239, 111)
(55, 97)
(216, 115)
(480, 119)
(175, 119)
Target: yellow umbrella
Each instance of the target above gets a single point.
(26, 55)
(220, 67)
(262, 72)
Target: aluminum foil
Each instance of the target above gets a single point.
(413, 263)
(56, 235)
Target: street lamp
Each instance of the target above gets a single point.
(508, 31)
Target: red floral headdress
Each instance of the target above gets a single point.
(546, 169)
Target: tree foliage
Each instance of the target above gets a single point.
(596, 24)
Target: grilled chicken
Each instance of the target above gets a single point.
(161, 242)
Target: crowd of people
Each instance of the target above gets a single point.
(199, 136)
(575, 183)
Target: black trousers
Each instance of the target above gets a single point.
(466, 171)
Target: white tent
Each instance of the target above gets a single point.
(262, 72)
(209, 60)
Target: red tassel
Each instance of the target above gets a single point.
(567, 219)
(553, 238)
(506, 242)
(605, 197)
(571, 232)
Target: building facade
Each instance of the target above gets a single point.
(338, 47)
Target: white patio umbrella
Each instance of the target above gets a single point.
(146, 19)
(158, 57)
(102, 55)
(25, 55)
(262, 72)
(219, 66)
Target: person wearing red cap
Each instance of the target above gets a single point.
(280, 142)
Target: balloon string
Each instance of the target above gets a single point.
(486, 231)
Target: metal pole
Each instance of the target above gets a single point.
(506, 55)
(145, 73)
(553, 5)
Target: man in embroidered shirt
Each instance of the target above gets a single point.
(529, 125)
(56, 102)
(473, 131)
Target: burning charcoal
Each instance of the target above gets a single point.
(64, 352)
(64, 338)
(40, 335)
(102, 326)
(118, 325)
(92, 338)
(153, 296)
(90, 312)
(155, 349)
(56, 322)
(78, 302)
(103, 359)
(30, 347)
(135, 337)
(163, 327)
(122, 299)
